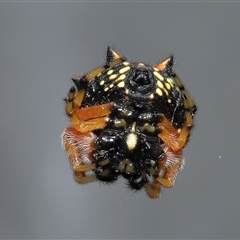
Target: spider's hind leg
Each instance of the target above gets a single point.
(153, 190)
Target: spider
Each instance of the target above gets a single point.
(131, 120)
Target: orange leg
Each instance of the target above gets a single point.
(153, 190)
(174, 138)
(78, 140)
(74, 102)
(89, 118)
(89, 125)
(169, 167)
(93, 112)
(81, 178)
(168, 170)
(79, 148)
(95, 117)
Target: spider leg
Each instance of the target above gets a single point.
(175, 138)
(153, 190)
(74, 100)
(90, 118)
(167, 173)
(81, 178)
(178, 138)
(79, 147)
(188, 103)
(169, 167)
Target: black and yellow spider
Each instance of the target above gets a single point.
(130, 120)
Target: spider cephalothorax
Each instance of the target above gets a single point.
(130, 120)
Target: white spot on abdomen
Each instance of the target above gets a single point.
(131, 141)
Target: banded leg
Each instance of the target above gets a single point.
(188, 101)
(168, 168)
(153, 190)
(174, 138)
(79, 147)
(153, 187)
(74, 100)
(90, 118)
